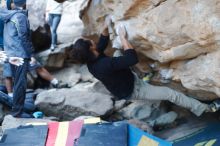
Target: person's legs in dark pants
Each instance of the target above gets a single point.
(20, 85)
(7, 74)
(9, 85)
(54, 20)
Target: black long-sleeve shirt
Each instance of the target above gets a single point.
(114, 72)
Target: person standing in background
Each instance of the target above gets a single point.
(1, 33)
(53, 17)
(17, 43)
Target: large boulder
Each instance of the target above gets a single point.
(86, 76)
(75, 73)
(68, 104)
(36, 13)
(163, 31)
(55, 59)
(71, 25)
(201, 73)
(168, 31)
(95, 86)
(137, 110)
(68, 75)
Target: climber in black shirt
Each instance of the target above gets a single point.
(117, 77)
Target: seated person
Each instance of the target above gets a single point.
(29, 105)
(33, 65)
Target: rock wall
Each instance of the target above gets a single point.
(36, 13)
(184, 35)
(201, 73)
(68, 104)
(70, 25)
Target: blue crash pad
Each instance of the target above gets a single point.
(208, 136)
(25, 136)
(105, 134)
(137, 137)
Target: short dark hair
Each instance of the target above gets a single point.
(81, 51)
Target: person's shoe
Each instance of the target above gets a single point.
(60, 84)
(38, 115)
(52, 48)
(214, 106)
(147, 77)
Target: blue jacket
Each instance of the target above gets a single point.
(1, 33)
(17, 38)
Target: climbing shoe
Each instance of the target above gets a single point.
(147, 77)
(60, 84)
(214, 106)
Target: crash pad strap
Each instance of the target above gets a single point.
(52, 134)
(63, 133)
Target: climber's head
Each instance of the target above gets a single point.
(16, 4)
(84, 50)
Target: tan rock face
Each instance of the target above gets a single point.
(202, 73)
(36, 13)
(173, 30)
(167, 31)
(70, 26)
